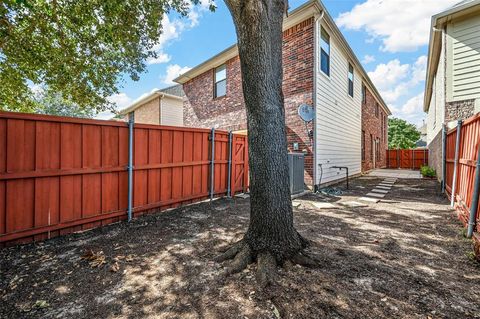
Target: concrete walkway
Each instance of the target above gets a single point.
(395, 173)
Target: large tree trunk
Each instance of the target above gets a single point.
(271, 236)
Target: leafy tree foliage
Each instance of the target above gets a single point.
(52, 103)
(401, 134)
(77, 48)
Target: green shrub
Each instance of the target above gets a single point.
(428, 171)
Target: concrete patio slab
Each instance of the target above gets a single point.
(369, 199)
(381, 191)
(384, 187)
(376, 195)
(395, 173)
(322, 205)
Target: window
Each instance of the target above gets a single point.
(220, 88)
(364, 94)
(363, 145)
(350, 80)
(377, 109)
(325, 52)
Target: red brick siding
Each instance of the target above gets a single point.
(228, 112)
(371, 124)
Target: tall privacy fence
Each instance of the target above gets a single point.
(461, 171)
(407, 158)
(59, 175)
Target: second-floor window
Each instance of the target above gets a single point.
(350, 80)
(325, 52)
(377, 109)
(220, 88)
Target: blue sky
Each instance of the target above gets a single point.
(390, 37)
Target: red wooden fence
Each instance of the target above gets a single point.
(59, 175)
(467, 159)
(408, 159)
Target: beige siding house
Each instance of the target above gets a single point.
(452, 89)
(162, 107)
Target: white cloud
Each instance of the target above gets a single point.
(413, 106)
(173, 71)
(387, 75)
(173, 28)
(368, 58)
(401, 25)
(121, 100)
(395, 80)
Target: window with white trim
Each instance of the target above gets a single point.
(220, 87)
(325, 52)
(350, 80)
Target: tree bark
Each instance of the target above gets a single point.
(258, 25)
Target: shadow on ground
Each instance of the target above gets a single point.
(404, 257)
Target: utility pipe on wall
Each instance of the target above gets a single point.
(455, 163)
(474, 204)
(131, 120)
(212, 164)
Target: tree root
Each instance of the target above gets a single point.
(304, 260)
(266, 269)
(243, 255)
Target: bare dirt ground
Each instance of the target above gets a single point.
(402, 258)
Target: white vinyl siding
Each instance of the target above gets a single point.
(338, 117)
(465, 49)
(171, 112)
(436, 110)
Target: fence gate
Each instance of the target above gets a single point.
(239, 179)
(407, 159)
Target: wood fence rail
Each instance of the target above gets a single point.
(59, 175)
(465, 168)
(407, 158)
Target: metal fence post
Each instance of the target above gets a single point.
(474, 204)
(230, 140)
(212, 164)
(455, 163)
(131, 120)
(444, 157)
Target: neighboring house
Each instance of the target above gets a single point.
(422, 141)
(164, 107)
(452, 89)
(321, 70)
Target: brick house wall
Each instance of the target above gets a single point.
(228, 112)
(372, 126)
(148, 113)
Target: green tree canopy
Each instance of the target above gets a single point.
(79, 49)
(401, 134)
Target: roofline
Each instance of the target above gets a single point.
(438, 23)
(157, 93)
(305, 11)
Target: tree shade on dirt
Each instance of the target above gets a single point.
(403, 258)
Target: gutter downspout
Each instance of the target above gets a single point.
(457, 149)
(474, 204)
(316, 21)
(131, 120)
